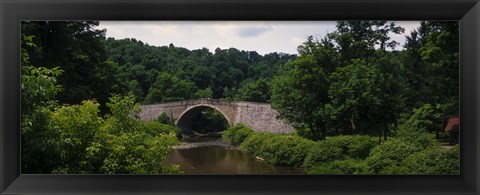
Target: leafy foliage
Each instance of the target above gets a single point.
(212, 73)
(335, 83)
(355, 95)
(164, 119)
(78, 49)
(347, 166)
(73, 129)
(169, 88)
(258, 91)
(434, 160)
(255, 142)
(278, 149)
(414, 129)
(80, 141)
(209, 120)
(340, 148)
(80, 90)
(155, 128)
(237, 134)
(205, 93)
(387, 157)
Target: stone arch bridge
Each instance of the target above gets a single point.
(258, 116)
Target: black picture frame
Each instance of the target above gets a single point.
(13, 11)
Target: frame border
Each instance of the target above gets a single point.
(13, 11)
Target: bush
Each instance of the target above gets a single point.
(125, 145)
(164, 119)
(155, 128)
(347, 166)
(254, 142)
(115, 145)
(421, 120)
(415, 128)
(278, 149)
(339, 148)
(387, 157)
(286, 150)
(237, 134)
(74, 128)
(419, 139)
(323, 152)
(128, 153)
(434, 160)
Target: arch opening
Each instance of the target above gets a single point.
(202, 120)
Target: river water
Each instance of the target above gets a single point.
(211, 155)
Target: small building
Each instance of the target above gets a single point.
(453, 127)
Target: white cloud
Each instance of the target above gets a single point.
(261, 36)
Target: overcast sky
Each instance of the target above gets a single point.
(261, 36)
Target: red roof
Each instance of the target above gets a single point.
(452, 122)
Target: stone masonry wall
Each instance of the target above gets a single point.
(258, 116)
(261, 118)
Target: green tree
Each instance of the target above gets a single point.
(354, 93)
(122, 146)
(135, 88)
(73, 129)
(205, 93)
(169, 88)
(78, 49)
(38, 89)
(300, 91)
(431, 66)
(305, 93)
(258, 91)
(358, 39)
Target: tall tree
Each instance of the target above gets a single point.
(77, 47)
(431, 64)
(317, 86)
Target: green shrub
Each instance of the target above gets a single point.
(419, 139)
(254, 142)
(237, 134)
(154, 128)
(276, 149)
(286, 150)
(323, 152)
(339, 148)
(75, 127)
(415, 128)
(421, 120)
(128, 153)
(347, 166)
(434, 160)
(386, 157)
(164, 119)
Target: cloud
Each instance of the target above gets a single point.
(253, 31)
(261, 36)
(166, 30)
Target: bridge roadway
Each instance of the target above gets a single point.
(258, 116)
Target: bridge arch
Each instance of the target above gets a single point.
(184, 120)
(258, 116)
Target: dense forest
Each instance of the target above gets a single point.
(352, 82)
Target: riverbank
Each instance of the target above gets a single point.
(190, 145)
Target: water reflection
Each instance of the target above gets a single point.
(222, 160)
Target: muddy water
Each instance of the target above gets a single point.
(210, 155)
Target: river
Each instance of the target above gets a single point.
(211, 155)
